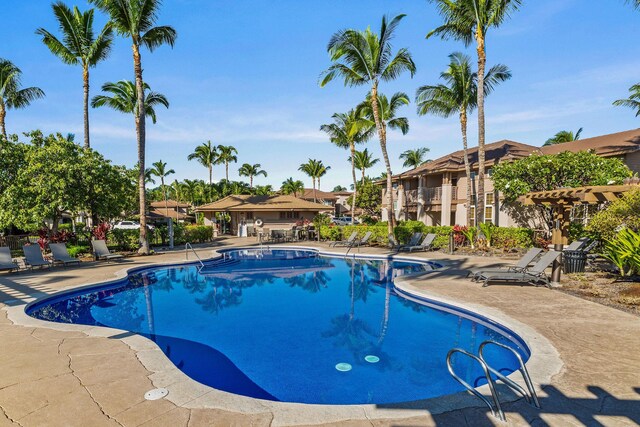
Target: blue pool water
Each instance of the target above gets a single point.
(292, 326)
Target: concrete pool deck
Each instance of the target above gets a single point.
(53, 374)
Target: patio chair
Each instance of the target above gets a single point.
(33, 257)
(426, 244)
(347, 242)
(365, 239)
(532, 276)
(6, 261)
(415, 238)
(522, 263)
(577, 244)
(393, 243)
(101, 251)
(61, 255)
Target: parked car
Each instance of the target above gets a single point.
(345, 220)
(129, 225)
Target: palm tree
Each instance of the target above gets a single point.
(363, 160)
(459, 95)
(135, 19)
(11, 96)
(124, 98)
(226, 154)
(206, 155)
(292, 187)
(469, 20)
(414, 158)
(564, 136)
(314, 169)
(322, 171)
(365, 58)
(78, 46)
(251, 171)
(632, 102)
(159, 169)
(346, 131)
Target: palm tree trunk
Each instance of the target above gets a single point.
(140, 133)
(482, 60)
(313, 180)
(352, 146)
(251, 181)
(210, 174)
(467, 166)
(226, 167)
(382, 134)
(3, 115)
(363, 172)
(85, 78)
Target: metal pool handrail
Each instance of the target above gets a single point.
(496, 409)
(188, 246)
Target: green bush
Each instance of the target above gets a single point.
(75, 250)
(330, 233)
(512, 237)
(624, 252)
(127, 240)
(198, 233)
(623, 212)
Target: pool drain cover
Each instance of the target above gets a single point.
(156, 393)
(372, 359)
(343, 367)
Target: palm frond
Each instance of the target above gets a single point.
(157, 36)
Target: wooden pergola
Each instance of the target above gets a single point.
(563, 200)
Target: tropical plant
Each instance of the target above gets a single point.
(339, 188)
(624, 252)
(470, 234)
(633, 101)
(366, 58)
(622, 212)
(363, 160)
(251, 171)
(414, 158)
(263, 190)
(123, 98)
(315, 169)
(469, 20)
(160, 170)
(226, 154)
(291, 186)
(487, 230)
(78, 46)
(459, 94)
(135, 19)
(564, 136)
(346, 131)
(206, 155)
(11, 95)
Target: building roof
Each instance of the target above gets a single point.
(277, 203)
(613, 144)
(170, 204)
(156, 213)
(320, 195)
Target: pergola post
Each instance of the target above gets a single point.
(560, 235)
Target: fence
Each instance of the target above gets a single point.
(15, 242)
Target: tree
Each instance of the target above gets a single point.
(135, 19)
(347, 130)
(363, 160)
(469, 20)
(206, 155)
(365, 58)
(263, 190)
(78, 46)
(339, 188)
(459, 95)
(226, 154)
(124, 99)
(564, 136)
(292, 187)
(11, 96)
(633, 101)
(314, 169)
(159, 169)
(414, 158)
(368, 198)
(251, 171)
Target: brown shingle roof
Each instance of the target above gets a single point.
(275, 203)
(613, 144)
(168, 213)
(170, 204)
(320, 195)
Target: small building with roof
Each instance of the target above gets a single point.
(175, 210)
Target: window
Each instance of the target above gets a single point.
(488, 208)
(288, 215)
(472, 216)
(489, 172)
(249, 215)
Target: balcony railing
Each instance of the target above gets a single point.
(429, 195)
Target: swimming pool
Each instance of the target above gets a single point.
(293, 326)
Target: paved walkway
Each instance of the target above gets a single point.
(66, 378)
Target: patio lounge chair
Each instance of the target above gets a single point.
(101, 251)
(61, 255)
(533, 275)
(365, 239)
(347, 242)
(393, 243)
(33, 257)
(578, 244)
(522, 263)
(426, 244)
(415, 238)
(6, 262)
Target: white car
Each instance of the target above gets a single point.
(345, 220)
(129, 225)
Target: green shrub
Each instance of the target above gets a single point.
(127, 240)
(330, 232)
(624, 252)
(75, 250)
(625, 211)
(378, 233)
(512, 237)
(198, 233)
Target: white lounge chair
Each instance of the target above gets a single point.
(61, 255)
(33, 257)
(101, 250)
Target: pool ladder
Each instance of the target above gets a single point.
(494, 405)
(188, 247)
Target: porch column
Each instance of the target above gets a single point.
(446, 199)
(560, 236)
(420, 208)
(399, 201)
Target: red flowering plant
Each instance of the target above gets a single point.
(459, 234)
(99, 232)
(46, 237)
(303, 222)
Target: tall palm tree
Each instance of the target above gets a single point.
(414, 158)
(633, 101)
(346, 131)
(469, 20)
(135, 19)
(363, 160)
(159, 169)
(314, 169)
(459, 95)
(291, 186)
(11, 96)
(206, 155)
(78, 46)
(251, 171)
(564, 136)
(226, 154)
(365, 58)
(322, 171)
(124, 98)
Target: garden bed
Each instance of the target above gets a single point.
(604, 288)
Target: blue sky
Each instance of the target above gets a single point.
(245, 73)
